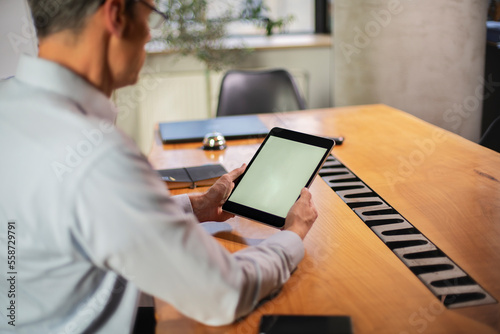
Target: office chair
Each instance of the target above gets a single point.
(254, 92)
(491, 138)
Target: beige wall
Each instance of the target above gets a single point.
(425, 57)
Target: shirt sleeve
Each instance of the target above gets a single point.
(183, 202)
(127, 222)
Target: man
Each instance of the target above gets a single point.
(93, 223)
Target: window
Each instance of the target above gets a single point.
(308, 16)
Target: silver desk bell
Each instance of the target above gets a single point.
(214, 141)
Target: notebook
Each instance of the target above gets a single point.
(192, 177)
(231, 127)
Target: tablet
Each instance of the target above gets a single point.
(318, 324)
(286, 162)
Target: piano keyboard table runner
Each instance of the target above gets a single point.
(447, 281)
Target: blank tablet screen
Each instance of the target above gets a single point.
(278, 174)
(285, 163)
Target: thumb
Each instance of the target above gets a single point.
(306, 194)
(233, 175)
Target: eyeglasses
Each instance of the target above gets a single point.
(156, 18)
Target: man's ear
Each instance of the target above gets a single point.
(115, 16)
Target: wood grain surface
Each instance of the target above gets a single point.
(443, 184)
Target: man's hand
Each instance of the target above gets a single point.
(302, 215)
(208, 206)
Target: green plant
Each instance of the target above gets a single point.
(191, 31)
(257, 12)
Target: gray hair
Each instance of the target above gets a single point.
(52, 16)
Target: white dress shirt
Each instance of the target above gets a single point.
(95, 224)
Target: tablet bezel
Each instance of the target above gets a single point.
(265, 217)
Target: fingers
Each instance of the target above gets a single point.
(233, 175)
(223, 216)
(210, 208)
(306, 194)
(306, 197)
(302, 215)
(309, 200)
(221, 190)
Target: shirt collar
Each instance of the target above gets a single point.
(58, 79)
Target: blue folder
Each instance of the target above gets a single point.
(493, 31)
(231, 127)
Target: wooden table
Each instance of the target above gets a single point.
(445, 186)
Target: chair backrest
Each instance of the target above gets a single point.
(491, 138)
(255, 92)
